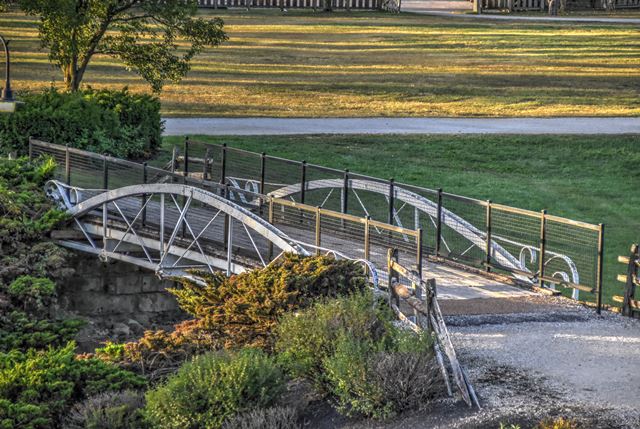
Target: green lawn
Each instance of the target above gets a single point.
(306, 64)
(588, 178)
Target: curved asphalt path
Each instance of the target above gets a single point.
(290, 126)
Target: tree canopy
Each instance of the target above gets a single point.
(155, 38)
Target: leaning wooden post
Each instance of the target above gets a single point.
(600, 268)
(543, 244)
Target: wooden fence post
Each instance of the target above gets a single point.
(600, 268)
(318, 230)
(392, 256)
(632, 274)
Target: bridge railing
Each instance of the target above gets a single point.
(535, 247)
(292, 4)
(312, 226)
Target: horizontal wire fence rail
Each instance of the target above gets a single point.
(421, 298)
(535, 247)
(313, 228)
(630, 304)
(293, 4)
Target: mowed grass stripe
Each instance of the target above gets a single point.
(306, 64)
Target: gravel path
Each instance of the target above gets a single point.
(525, 367)
(283, 126)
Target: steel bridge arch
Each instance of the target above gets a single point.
(80, 202)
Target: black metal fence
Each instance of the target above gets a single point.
(536, 247)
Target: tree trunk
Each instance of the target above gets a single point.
(73, 76)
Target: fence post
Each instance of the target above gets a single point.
(30, 148)
(225, 193)
(303, 180)
(174, 160)
(392, 256)
(367, 237)
(439, 223)
(67, 166)
(488, 260)
(318, 232)
(629, 291)
(105, 206)
(263, 164)
(229, 240)
(543, 244)
(205, 166)
(186, 156)
(270, 252)
(144, 196)
(223, 167)
(345, 192)
(600, 268)
(391, 202)
(419, 253)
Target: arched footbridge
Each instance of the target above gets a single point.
(218, 208)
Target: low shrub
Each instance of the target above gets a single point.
(33, 294)
(235, 312)
(111, 410)
(19, 330)
(105, 121)
(245, 308)
(351, 348)
(37, 388)
(214, 387)
(277, 417)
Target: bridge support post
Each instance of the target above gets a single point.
(543, 244)
(600, 267)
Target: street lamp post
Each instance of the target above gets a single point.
(7, 93)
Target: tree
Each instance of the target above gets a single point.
(143, 34)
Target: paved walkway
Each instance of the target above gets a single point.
(457, 9)
(284, 126)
